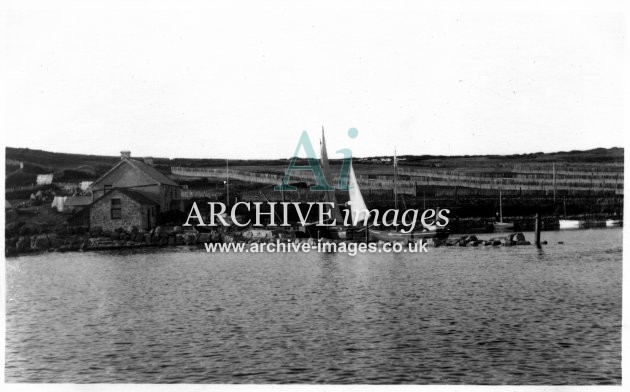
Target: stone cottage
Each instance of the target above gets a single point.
(124, 208)
(140, 186)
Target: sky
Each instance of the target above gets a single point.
(243, 79)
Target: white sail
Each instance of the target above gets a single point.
(358, 210)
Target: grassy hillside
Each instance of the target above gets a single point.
(81, 167)
(590, 181)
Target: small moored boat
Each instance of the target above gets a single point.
(613, 222)
(571, 223)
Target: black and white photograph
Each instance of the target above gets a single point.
(313, 194)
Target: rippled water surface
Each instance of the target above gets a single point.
(456, 315)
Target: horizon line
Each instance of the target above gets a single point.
(331, 159)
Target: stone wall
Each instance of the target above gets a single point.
(132, 213)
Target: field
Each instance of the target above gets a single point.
(580, 182)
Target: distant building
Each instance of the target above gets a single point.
(77, 203)
(123, 208)
(44, 179)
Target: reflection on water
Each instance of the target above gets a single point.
(483, 315)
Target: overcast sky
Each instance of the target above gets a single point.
(243, 79)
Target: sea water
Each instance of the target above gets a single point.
(454, 315)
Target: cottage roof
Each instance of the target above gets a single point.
(152, 172)
(146, 169)
(78, 201)
(139, 197)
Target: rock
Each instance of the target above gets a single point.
(516, 237)
(171, 240)
(29, 229)
(73, 243)
(54, 240)
(23, 244)
(158, 230)
(179, 239)
(204, 237)
(133, 230)
(178, 229)
(438, 242)
(523, 243)
(147, 239)
(85, 244)
(13, 229)
(11, 242)
(40, 242)
(543, 243)
(10, 251)
(189, 238)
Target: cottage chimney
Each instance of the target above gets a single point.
(125, 155)
(148, 160)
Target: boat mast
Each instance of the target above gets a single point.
(329, 196)
(227, 182)
(564, 203)
(553, 167)
(500, 203)
(395, 183)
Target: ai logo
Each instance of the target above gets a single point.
(315, 166)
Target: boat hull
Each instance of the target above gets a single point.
(328, 232)
(571, 224)
(613, 222)
(503, 226)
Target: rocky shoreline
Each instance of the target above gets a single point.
(98, 239)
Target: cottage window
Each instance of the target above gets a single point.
(116, 209)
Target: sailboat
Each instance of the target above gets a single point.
(359, 213)
(500, 225)
(391, 235)
(569, 223)
(315, 230)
